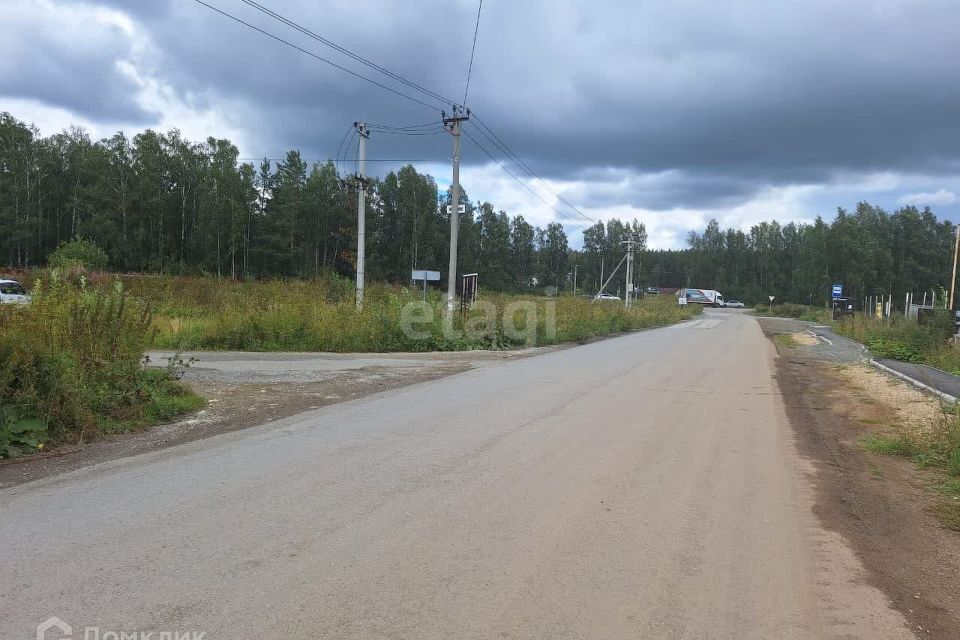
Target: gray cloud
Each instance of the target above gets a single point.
(62, 62)
(657, 105)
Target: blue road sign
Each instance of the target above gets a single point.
(838, 291)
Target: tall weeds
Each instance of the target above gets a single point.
(320, 315)
(73, 358)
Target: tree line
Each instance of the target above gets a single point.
(869, 251)
(161, 203)
(158, 202)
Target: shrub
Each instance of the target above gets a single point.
(79, 253)
(73, 359)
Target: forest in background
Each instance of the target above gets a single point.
(160, 203)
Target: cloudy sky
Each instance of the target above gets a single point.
(669, 112)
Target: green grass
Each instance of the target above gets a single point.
(951, 488)
(904, 339)
(895, 446)
(320, 315)
(71, 366)
(940, 451)
(948, 513)
(786, 340)
(71, 363)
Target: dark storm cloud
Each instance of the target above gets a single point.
(68, 64)
(716, 100)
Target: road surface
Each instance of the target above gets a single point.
(645, 486)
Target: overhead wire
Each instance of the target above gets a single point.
(354, 56)
(565, 216)
(483, 128)
(516, 159)
(473, 51)
(315, 55)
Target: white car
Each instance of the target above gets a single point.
(736, 304)
(606, 296)
(12, 293)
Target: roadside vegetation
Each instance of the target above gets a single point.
(904, 339)
(72, 366)
(321, 315)
(792, 310)
(72, 363)
(934, 446)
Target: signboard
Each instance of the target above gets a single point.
(423, 274)
(468, 290)
(461, 209)
(837, 291)
(772, 298)
(682, 300)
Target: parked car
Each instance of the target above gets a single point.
(736, 304)
(12, 293)
(606, 296)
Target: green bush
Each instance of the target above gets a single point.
(73, 360)
(900, 338)
(79, 253)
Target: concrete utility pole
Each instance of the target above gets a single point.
(361, 209)
(630, 241)
(953, 280)
(453, 126)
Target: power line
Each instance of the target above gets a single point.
(409, 133)
(314, 55)
(408, 127)
(473, 50)
(343, 140)
(372, 65)
(565, 216)
(512, 155)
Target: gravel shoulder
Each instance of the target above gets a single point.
(880, 504)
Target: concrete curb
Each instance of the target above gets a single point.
(924, 387)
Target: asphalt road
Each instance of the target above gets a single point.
(640, 487)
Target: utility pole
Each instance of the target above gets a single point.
(453, 124)
(953, 280)
(361, 209)
(630, 241)
(574, 281)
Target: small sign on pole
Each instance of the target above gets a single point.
(462, 209)
(772, 298)
(837, 291)
(425, 275)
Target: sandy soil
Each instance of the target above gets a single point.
(880, 504)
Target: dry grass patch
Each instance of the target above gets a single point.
(912, 412)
